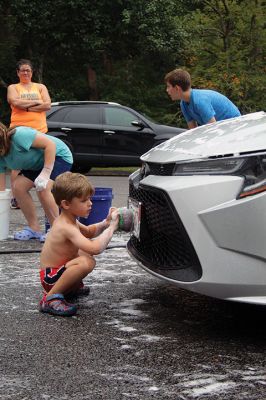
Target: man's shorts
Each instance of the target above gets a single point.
(49, 276)
(60, 166)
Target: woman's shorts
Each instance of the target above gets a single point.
(60, 166)
(49, 276)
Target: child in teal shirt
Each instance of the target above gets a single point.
(40, 158)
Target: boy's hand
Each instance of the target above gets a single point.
(115, 219)
(109, 216)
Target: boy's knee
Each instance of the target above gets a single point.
(88, 263)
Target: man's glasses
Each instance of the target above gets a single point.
(28, 71)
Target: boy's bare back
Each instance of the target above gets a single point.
(59, 247)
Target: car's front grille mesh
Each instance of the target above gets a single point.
(160, 169)
(164, 243)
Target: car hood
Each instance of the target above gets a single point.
(161, 129)
(225, 138)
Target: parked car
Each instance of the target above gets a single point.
(199, 203)
(104, 133)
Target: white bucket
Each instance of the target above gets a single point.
(5, 197)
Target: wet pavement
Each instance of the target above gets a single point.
(134, 336)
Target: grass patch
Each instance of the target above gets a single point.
(130, 170)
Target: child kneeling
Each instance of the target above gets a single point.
(67, 254)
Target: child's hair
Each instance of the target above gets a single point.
(69, 185)
(5, 142)
(179, 77)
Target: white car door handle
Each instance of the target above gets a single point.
(109, 132)
(66, 129)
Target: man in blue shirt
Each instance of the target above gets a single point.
(199, 106)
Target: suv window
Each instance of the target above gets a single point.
(57, 114)
(83, 115)
(118, 117)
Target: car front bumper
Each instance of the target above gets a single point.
(195, 234)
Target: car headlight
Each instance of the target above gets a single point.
(144, 170)
(209, 167)
(251, 168)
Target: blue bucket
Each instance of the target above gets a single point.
(101, 202)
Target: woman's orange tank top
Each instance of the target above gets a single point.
(36, 120)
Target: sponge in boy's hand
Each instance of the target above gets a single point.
(125, 219)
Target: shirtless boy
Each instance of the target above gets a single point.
(67, 255)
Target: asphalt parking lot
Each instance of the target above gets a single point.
(134, 336)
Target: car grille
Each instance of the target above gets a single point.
(164, 245)
(160, 169)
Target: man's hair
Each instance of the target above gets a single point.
(179, 77)
(69, 185)
(23, 61)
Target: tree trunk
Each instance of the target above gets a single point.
(92, 81)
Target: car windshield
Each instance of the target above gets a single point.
(148, 117)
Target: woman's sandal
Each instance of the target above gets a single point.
(43, 236)
(27, 233)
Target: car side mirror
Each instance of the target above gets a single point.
(138, 124)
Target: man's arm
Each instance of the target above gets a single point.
(192, 124)
(211, 120)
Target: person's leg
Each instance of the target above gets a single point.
(21, 187)
(76, 270)
(13, 174)
(13, 203)
(45, 196)
(54, 304)
(54, 301)
(48, 202)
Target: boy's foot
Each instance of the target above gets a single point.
(14, 204)
(56, 304)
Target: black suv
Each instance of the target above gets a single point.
(105, 134)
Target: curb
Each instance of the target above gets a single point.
(108, 173)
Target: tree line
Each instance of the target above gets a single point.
(120, 50)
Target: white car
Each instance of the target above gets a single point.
(199, 205)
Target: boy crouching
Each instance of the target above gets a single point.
(67, 254)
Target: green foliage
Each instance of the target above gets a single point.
(227, 44)
(120, 50)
